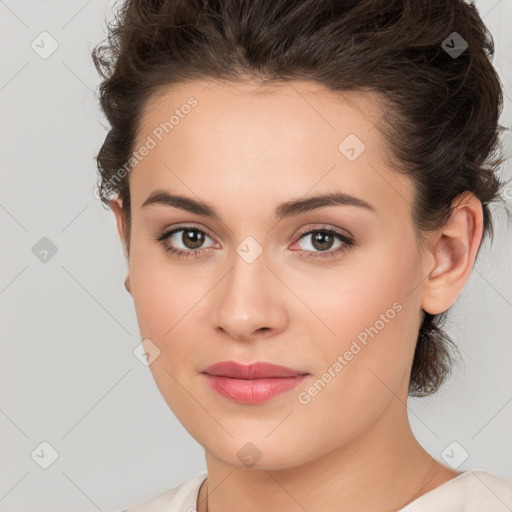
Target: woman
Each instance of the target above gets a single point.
(302, 188)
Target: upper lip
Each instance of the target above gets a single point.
(258, 370)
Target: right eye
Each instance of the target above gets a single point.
(190, 235)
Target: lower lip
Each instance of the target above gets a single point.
(253, 391)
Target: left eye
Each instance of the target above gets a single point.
(324, 238)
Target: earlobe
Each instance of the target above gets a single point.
(127, 284)
(453, 253)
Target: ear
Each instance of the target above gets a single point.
(451, 253)
(116, 206)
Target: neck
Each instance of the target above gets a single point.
(383, 469)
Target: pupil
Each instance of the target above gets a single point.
(327, 240)
(195, 239)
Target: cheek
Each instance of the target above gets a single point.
(363, 367)
(164, 302)
(168, 299)
(373, 320)
(157, 291)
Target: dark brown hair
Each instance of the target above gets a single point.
(442, 105)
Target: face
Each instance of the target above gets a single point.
(330, 291)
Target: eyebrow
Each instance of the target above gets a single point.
(284, 210)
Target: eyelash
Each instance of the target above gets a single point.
(196, 253)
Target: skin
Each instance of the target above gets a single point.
(244, 150)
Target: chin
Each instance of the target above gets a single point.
(258, 453)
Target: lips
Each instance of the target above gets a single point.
(252, 383)
(258, 370)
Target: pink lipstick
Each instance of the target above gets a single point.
(252, 383)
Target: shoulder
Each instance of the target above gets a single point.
(182, 497)
(472, 491)
(489, 490)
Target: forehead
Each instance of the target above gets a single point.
(218, 139)
(298, 109)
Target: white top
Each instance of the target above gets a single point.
(471, 491)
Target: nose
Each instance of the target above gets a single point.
(249, 303)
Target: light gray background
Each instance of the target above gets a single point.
(68, 373)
